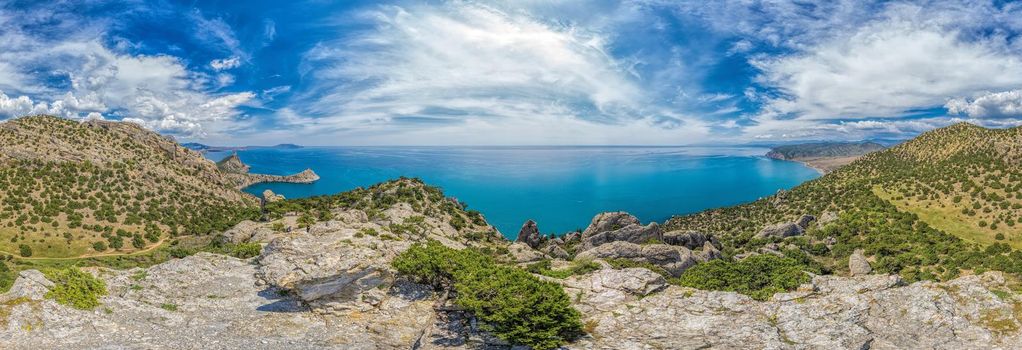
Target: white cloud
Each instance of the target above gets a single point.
(158, 91)
(885, 70)
(993, 105)
(225, 63)
(476, 72)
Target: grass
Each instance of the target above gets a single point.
(948, 217)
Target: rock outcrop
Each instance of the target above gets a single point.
(618, 226)
(858, 265)
(688, 239)
(232, 164)
(529, 234)
(782, 230)
(673, 259)
(830, 313)
(270, 197)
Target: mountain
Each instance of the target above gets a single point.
(80, 188)
(825, 156)
(823, 149)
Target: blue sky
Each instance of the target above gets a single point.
(516, 72)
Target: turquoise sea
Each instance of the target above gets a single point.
(559, 187)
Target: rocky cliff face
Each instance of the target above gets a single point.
(238, 172)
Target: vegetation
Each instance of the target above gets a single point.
(513, 304)
(931, 208)
(105, 182)
(758, 276)
(75, 288)
(577, 267)
(824, 149)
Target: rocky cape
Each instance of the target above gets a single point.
(331, 286)
(239, 172)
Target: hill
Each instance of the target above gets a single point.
(823, 149)
(825, 156)
(942, 204)
(77, 188)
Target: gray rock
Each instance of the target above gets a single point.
(523, 253)
(270, 197)
(556, 251)
(829, 313)
(858, 265)
(610, 221)
(606, 289)
(247, 231)
(826, 218)
(688, 239)
(709, 252)
(529, 234)
(781, 230)
(673, 259)
(805, 221)
(618, 226)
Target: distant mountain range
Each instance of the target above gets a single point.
(823, 149)
(195, 146)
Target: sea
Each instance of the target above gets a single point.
(561, 188)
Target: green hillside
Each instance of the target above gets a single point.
(939, 205)
(75, 189)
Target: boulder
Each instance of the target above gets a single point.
(708, 253)
(782, 230)
(610, 221)
(529, 234)
(247, 231)
(805, 221)
(270, 197)
(826, 218)
(858, 265)
(687, 239)
(618, 226)
(556, 251)
(673, 259)
(523, 253)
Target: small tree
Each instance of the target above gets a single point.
(25, 250)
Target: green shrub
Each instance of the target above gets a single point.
(25, 250)
(75, 288)
(513, 304)
(7, 277)
(246, 250)
(758, 276)
(578, 267)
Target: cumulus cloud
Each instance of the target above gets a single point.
(158, 91)
(1005, 104)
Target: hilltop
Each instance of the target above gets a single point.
(825, 156)
(76, 188)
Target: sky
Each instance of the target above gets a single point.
(525, 72)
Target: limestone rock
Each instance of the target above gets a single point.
(709, 252)
(673, 259)
(232, 164)
(247, 231)
(523, 253)
(556, 251)
(826, 218)
(605, 289)
(688, 239)
(618, 226)
(858, 265)
(805, 221)
(529, 234)
(270, 197)
(833, 313)
(781, 230)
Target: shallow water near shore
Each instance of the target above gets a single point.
(559, 187)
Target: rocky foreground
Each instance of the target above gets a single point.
(332, 287)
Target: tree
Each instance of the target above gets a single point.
(99, 246)
(25, 250)
(137, 241)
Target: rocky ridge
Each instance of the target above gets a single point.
(239, 172)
